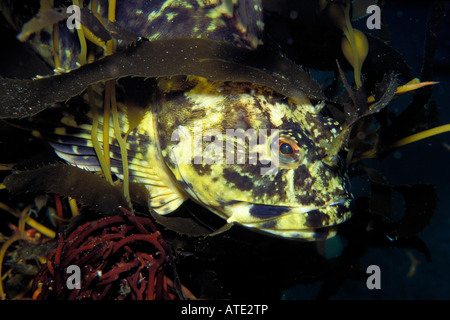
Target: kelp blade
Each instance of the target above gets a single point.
(216, 61)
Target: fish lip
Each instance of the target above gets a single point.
(306, 234)
(341, 203)
(311, 228)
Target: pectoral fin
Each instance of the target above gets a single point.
(164, 200)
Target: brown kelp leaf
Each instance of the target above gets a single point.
(387, 89)
(385, 92)
(418, 116)
(120, 33)
(90, 21)
(380, 201)
(359, 8)
(86, 187)
(182, 225)
(192, 219)
(51, 16)
(95, 192)
(211, 59)
(422, 113)
(420, 204)
(382, 59)
(42, 20)
(435, 21)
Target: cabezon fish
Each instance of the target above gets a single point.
(231, 129)
(243, 151)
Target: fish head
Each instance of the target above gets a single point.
(256, 158)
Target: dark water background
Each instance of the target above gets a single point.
(425, 161)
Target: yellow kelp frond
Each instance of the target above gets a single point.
(93, 38)
(3, 250)
(73, 207)
(83, 47)
(19, 234)
(422, 135)
(55, 46)
(410, 86)
(30, 221)
(106, 114)
(372, 153)
(355, 48)
(111, 91)
(103, 158)
(414, 85)
(24, 215)
(110, 45)
(122, 143)
(109, 106)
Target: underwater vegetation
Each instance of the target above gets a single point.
(143, 226)
(136, 274)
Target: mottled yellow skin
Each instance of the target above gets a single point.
(299, 195)
(179, 151)
(314, 185)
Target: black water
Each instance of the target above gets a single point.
(425, 161)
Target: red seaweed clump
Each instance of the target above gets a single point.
(118, 257)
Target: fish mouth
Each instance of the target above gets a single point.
(308, 223)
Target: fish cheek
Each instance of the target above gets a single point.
(238, 180)
(301, 176)
(275, 188)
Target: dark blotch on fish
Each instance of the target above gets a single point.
(265, 212)
(315, 219)
(300, 175)
(241, 182)
(202, 168)
(269, 224)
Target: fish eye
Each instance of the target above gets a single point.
(289, 151)
(285, 148)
